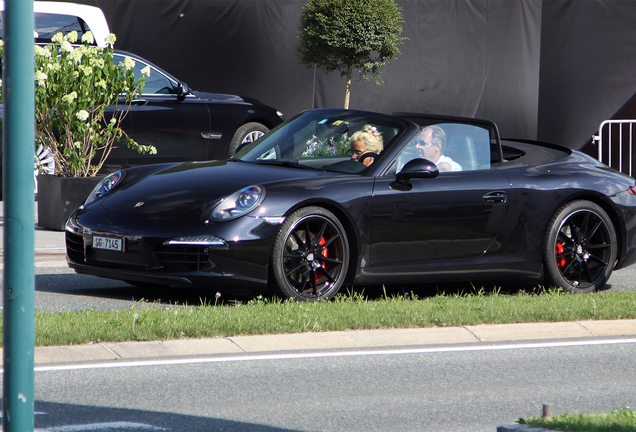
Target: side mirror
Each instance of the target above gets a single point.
(183, 90)
(417, 168)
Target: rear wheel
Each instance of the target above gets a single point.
(580, 248)
(310, 255)
(246, 134)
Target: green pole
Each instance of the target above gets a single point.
(18, 132)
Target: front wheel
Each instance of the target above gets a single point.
(580, 248)
(246, 134)
(310, 255)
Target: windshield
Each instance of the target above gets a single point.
(322, 139)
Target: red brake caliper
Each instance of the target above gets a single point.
(559, 250)
(324, 253)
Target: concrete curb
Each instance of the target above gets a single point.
(349, 339)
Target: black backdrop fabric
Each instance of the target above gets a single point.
(546, 69)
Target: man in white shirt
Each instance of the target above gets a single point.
(431, 144)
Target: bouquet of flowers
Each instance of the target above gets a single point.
(328, 146)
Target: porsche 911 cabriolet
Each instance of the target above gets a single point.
(335, 198)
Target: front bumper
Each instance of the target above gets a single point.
(238, 266)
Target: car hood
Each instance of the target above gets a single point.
(185, 187)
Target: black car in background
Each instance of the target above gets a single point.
(187, 125)
(183, 124)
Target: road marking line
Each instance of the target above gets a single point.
(51, 264)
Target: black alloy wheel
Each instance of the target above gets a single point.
(581, 247)
(310, 255)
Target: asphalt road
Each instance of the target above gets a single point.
(455, 388)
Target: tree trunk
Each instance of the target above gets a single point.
(348, 88)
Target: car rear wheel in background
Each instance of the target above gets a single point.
(310, 256)
(43, 163)
(246, 134)
(580, 248)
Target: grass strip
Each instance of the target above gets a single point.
(622, 420)
(148, 321)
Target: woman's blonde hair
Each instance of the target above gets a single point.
(371, 137)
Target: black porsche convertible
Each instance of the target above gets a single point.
(298, 213)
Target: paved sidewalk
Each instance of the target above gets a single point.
(350, 339)
(50, 250)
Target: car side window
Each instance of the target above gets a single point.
(156, 83)
(468, 145)
(48, 25)
(452, 146)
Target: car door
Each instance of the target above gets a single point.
(452, 218)
(177, 125)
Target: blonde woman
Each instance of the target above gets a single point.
(366, 141)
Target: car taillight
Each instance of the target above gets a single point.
(632, 190)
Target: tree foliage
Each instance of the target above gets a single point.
(350, 35)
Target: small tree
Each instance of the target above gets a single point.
(343, 35)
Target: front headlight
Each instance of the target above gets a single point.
(104, 186)
(239, 203)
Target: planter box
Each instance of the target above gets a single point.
(59, 196)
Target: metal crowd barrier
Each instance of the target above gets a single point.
(615, 144)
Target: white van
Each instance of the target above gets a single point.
(54, 17)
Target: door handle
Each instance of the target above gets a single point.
(139, 102)
(496, 197)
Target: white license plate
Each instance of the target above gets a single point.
(108, 243)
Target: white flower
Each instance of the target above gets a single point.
(88, 37)
(69, 97)
(97, 62)
(71, 36)
(110, 39)
(82, 115)
(86, 69)
(127, 64)
(42, 51)
(76, 55)
(40, 77)
(66, 46)
(101, 83)
(57, 38)
(146, 71)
